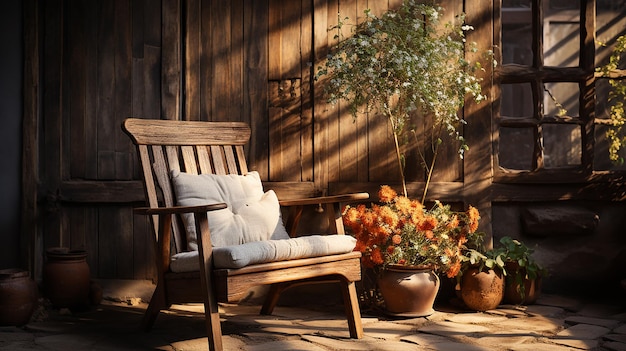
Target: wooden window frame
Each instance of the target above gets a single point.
(537, 75)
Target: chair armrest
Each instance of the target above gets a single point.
(332, 206)
(179, 209)
(325, 199)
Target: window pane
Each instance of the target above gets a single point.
(561, 99)
(561, 32)
(517, 32)
(516, 148)
(562, 145)
(516, 100)
(603, 108)
(611, 23)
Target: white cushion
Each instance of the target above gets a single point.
(267, 251)
(251, 215)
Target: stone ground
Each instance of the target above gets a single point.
(555, 323)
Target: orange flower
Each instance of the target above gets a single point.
(391, 249)
(403, 205)
(396, 239)
(473, 217)
(429, 234)
(428, 223)
(360, 246)
(454, 269)
(386, 194)
(376, 256)
(389, 217)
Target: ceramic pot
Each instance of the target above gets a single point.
(482, 291)
(513, 289)
(409, 291)
(18, 297)
(66, 279)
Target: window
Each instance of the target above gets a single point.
(548, 117)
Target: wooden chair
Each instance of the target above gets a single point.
(217, 148)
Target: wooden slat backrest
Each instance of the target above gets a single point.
(187, 146)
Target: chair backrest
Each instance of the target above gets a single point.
(188, 146)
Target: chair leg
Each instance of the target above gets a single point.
(213, 327)
(351, 305)
(272, 297)
(157, 303)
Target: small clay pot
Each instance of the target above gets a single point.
(66, 278)
(18, 297)
(482, 291)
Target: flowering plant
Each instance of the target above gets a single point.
(401, 62)
(400, 231)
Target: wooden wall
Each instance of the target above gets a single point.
(93, 63)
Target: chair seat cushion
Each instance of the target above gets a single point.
(239, 256)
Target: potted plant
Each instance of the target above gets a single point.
(401, 63)
(523, 281)
(406, 245)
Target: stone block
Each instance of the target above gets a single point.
(545, 221)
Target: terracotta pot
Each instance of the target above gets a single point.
(66, 278)
(18, 297)
(512, 290)
(482, 291)
(409, 291)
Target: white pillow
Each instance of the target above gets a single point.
(251, 215)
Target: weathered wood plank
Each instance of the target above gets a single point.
(236, 57)
(106, 92)
(30, 236)
(479, 130)
(221, 74)
(382, 163)
(124, 240)
(51, 104)
(331, 116)
(306, 114)
(91, 238)
(79, 191)
(107, 242)
(193, 26)
(274, 41)
(170, 60)
(256, 15)
(347, 126)
(320, 107)
(275, 131)
(143, 249)
(123, 89)
(77, 45)
(206, 60)
(361, 123)
(137, 11)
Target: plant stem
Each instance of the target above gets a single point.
(398, 155)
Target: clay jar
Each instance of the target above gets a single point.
(513, 292)
(18, 297)
(66, 278)
(482, 291)
(409, 291)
